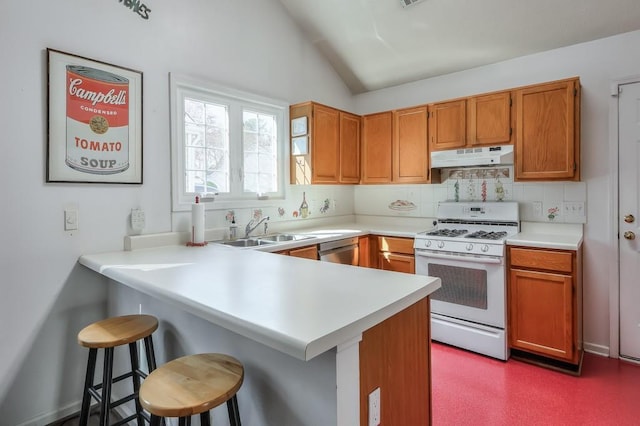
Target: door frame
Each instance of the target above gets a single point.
(614, 271)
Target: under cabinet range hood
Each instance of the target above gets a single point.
(470, 157)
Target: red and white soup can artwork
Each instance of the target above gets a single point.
(97, 121)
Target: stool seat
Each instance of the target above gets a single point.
(106, 335)
(117, 331)
(191, 385)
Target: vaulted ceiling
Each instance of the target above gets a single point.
(373, 44)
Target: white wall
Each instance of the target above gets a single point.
(597, 64)
(46, 298)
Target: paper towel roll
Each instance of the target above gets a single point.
(197, 222)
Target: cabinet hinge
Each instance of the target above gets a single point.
(575, 91)
(510, 131)
(575, 167)
(510, 101)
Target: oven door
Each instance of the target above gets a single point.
(473, 287)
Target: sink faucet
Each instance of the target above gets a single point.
(252, 225)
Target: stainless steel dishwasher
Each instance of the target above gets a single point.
(343, 251)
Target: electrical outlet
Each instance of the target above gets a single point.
(374, 407)
(573, 209)
(137, 219)
(70, 220)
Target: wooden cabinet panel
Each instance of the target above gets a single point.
(325, 148)
(547, 131)
(333, 154)
(349, 148)
(397, 262)
(542, 313)
(364, 251)
(447, 125)
(377, 148)
(560, 261)
(410, 152)
(396, 244)
(545, 302)
(309, 252)
(395, 357)
(489, 119)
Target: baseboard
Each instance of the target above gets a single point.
(54, 416)
(592, 348)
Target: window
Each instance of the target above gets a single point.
(224, 141)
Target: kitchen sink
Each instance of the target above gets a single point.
(284, 237)
(247, 242)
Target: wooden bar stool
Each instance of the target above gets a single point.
(192, 385)
(109, 334)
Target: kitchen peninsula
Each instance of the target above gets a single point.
(315, 338)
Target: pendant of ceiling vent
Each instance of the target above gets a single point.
(407, 3)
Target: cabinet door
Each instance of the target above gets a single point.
(325, 149)
(377, 148)
(447, 125)
(547, 131)
(349, 148)
(541, 316)
(489, 119)
(310, 252)
(397, 262)
(410, 153)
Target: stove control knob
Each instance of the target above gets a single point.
(440, 244)
(427, 243)
(469, 247)
(484, 248)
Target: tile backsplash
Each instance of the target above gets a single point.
(563, 202)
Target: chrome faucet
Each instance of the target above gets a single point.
(252, 225)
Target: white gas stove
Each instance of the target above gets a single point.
(466, 251)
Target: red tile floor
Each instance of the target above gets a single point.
(471, 389)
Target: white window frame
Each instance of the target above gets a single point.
(182, 86)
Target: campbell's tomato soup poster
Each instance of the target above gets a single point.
(95, 121)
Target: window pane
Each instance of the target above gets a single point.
(260, 152)
(206, 146)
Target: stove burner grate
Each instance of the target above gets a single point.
(487, 235)
(447, 232)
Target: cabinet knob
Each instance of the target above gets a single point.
(629, 218)
(630, 235)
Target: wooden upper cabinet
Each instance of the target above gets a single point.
(447, 125)
(548, 131)
(349, 148)
(410, 152)
(333, 146)
(325, 145)
(377, 147)
(489, 119)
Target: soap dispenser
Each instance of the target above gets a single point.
(233, 229)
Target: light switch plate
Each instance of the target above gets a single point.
(70, 220)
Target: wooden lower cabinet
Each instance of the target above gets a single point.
(396, 254)
(308, 252)
(395, 356)
(545, 302)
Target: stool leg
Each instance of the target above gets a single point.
(234, 412)
(88, 382)
(205, 420)
(135, 368)
(148, 350)
(106, 386)
(154, 421)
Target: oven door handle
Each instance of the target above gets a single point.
(432, 255)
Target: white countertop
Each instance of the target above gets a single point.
(300, 307)
(543, 235)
